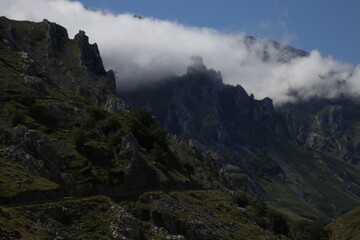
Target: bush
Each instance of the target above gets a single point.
(158, 154)
(110, 124)
(40, 113)
(15, 115)
(146, 130)
(116, 138)
(26, 98)
(270, 219)
(86, 122)
(241, 198)
(80, 137)
(97, 113)
(309, 230)
(278, 223)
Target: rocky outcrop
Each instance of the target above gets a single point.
(56, 35)
(198, 105)
(89, 54)
(327, 126)
(74, 64)
(115, 105)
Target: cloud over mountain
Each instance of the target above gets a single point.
(148, 49)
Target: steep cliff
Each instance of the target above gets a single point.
(48, 55)
(199, 106)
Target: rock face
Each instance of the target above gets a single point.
(89, 54)
(326, 126)
(199, 106)
(74, 64)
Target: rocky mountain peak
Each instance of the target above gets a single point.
(196, 66)
(199, 105)
(89, 54)
(199, 75)
(56, 35)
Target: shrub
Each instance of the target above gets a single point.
(85, 122)
(110, 124)
(268, 218)
(241, 198)
(146, 130)
(158, 154)
(40, 113)
(309, 230)
(97, 113)
(26, 98)
(14, 114)
(116, 138)
(80, 137)
(278, 223)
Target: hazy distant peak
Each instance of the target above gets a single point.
(196, 66)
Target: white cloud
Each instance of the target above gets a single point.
(147, 49)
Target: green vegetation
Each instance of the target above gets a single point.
(242, 199)
(347, 227)
(87, 218)
(210, 208)
(146, 130)
(14, 181)
(306, 230)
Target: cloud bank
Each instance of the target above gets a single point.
(143, 50)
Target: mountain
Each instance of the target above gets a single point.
(199, 106)
(78, 163)
(264, 49)
(300, 157)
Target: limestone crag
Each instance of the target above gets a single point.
(49, 55)
(198, 105)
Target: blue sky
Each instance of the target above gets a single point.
(331, 26)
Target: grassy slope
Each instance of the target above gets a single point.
(90, 218)
(13, 180)
(319, 186)
(91, 222)
(347, 227)
(212, 210)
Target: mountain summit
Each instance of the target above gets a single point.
(199, 105)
